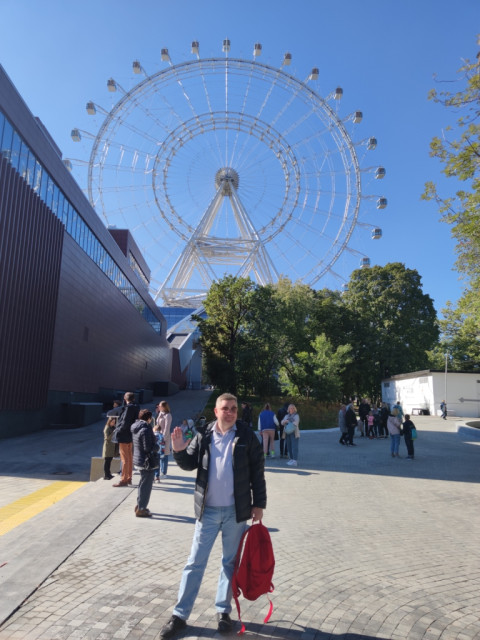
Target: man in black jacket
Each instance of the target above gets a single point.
(230, 489)
(351, 423)
(123, 436)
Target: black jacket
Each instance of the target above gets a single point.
(144, 441)
(129, 414)
(350, 418)
(249, 486)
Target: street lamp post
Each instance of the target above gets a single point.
(446, 371)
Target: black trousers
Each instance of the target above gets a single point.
(106, 466)
(409, 444)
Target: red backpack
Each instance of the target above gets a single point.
(254, 567)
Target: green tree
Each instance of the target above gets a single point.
(318, 372)
(395, 324)
(459, 153)
(258, 357)
(459, 339)
(223, 332)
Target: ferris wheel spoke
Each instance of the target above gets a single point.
(286, 106)
(271, 87)
(242, 110)
(209, 108)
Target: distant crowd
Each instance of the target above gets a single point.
(377, 422)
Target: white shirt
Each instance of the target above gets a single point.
(220, 472)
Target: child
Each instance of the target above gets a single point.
(161, 450)
(407, 434)
(187, 428)
(370, 420)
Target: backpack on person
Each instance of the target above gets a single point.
(254, 566)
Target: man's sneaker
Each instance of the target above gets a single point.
(225, 624)
(272, 454)
(173, 626)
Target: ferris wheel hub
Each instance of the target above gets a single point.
(225, 178)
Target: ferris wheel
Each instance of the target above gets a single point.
(225, 165)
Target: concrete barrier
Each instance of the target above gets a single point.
(96, 468)
(466, 431)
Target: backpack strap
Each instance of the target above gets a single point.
(235, 589)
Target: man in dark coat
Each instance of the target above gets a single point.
(363, 411)
(123, 436)
(351, 423)
(230, 489)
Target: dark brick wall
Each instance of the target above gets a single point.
(30, 257)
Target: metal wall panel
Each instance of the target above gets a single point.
(31, 240)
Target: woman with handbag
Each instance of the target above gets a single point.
(291, 433)
(145, 458)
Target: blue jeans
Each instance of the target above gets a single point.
(163, 466)
(292, 444)
(144, 488)
(394, 443)
(214, 520)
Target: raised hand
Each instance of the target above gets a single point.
(178, 443)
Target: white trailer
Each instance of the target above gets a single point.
(423, 391)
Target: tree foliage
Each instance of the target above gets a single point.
(224, 331)
(459, 152)
(460, 342)
(395, 324)
(317, 343)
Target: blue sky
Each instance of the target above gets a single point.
(59, 54)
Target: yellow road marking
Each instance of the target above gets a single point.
(22, 510)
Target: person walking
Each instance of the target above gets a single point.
(443, 408)
(267, 424)
(394, 424)
(342, 425)
(230, 489)
(351, 423)
(407, 434)
(291, 432)
(123, 435)
(144, 444)
(163, 424)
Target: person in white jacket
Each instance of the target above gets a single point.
(291, 432)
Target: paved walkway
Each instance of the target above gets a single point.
(366, 546)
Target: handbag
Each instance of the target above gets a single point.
(413, 433)
(289, 428)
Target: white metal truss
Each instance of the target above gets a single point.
(205, 251)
